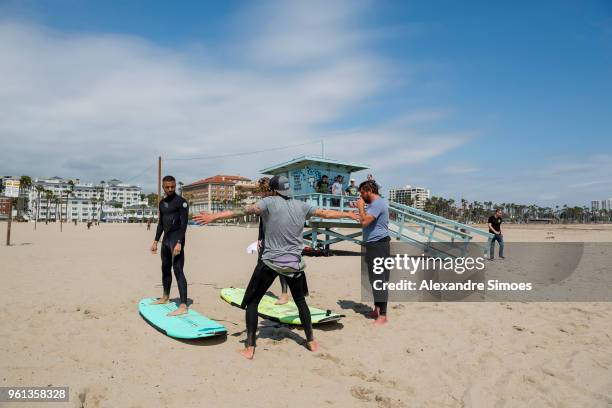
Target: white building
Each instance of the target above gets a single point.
(126, 194)
(601, 205)
(51, 197)
(82, 202)
(133, 213)
(408, 195)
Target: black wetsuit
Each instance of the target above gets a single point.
(172, 222)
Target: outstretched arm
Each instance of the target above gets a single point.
(333, 214)
(206, 218)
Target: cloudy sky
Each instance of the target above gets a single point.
(509, 102)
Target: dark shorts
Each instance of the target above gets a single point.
(254, 281)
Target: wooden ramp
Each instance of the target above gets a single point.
(407, 224)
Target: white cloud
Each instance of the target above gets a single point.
(99, 106)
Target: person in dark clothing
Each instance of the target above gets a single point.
(283, 220)
(173, 211)
(495, 222)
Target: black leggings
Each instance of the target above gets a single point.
(378, 249)
(283, 282)
(177, 264)
(265, 277)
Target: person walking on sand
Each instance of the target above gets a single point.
(376, 240)
(173, 211)
(283, 220)
(495, 222)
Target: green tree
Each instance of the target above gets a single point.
(152, 200)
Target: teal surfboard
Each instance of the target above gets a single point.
(188, 326)
(287, 313)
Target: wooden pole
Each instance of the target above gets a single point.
(36, 213)
(60, 210)
(10, 222)
(159, 169)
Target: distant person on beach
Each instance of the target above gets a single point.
(283, 220)
(376, 240)
(173, 214)
(265, 190)
(495, 222)
(148, 224)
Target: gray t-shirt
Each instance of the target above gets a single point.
(379, 228)
(283, 222)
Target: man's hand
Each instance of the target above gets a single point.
(204, 218)
(154, 247)
(259, 245)
(354, 216)
(177, 249)
(360, 204)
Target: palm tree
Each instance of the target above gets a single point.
(25, 183)
(57, 201)
(48, 196)
(39, 190)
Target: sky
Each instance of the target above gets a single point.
(507, 102)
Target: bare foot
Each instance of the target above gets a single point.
(182, 309)
(312, 345)
(380, 321)
(160, 301)
(247, 352)
(282, 300)
(374, 313)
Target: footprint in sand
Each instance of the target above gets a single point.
(361, 393)
(329, 357)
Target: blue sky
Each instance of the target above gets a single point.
(481, 100)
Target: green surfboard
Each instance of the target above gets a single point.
(188, 326)
(287, 313)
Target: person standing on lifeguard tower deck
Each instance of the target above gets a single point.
(283, 220)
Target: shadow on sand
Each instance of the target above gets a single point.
(360, 308)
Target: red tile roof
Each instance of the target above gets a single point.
(219, 179)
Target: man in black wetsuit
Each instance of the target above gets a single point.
(173, 210)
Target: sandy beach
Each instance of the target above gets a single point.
(70, 319)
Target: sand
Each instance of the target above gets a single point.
(70, 319)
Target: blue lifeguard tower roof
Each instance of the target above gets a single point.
(310, 161)
(304, 173)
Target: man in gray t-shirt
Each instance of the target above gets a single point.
(283, 222)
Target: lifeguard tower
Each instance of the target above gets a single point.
(406, 223)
